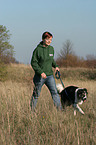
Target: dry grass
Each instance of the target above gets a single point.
(47, 126)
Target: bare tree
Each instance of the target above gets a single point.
(66, 55)
(66, 50)
(91, 57)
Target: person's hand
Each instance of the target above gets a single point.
(43, 75)
(56, 69)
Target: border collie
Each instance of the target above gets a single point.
(72, 95)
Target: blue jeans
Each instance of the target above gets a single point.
(50, 83)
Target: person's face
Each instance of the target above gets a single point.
(47, 41)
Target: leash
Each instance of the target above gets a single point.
(58, 76)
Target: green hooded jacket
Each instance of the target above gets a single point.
(43, 59)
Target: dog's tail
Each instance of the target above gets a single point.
(59, 88)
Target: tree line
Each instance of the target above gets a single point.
(68, 58)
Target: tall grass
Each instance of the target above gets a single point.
(20, 126)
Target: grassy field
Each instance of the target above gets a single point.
(47, 126)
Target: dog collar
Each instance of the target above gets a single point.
(76, 94)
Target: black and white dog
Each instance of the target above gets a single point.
(72, 95)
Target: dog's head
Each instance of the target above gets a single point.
(59, 88)
(82, 94)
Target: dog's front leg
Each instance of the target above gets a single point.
(78, 108)
(74, 111)
(74, 105)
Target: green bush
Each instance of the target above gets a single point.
(3, 71)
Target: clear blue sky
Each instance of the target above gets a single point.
(65, 19)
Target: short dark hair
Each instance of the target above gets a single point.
(46, 35)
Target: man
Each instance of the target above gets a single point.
(42, 62)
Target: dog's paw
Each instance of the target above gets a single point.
(74, 112)
(83, 113)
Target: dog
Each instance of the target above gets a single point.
(72, 95)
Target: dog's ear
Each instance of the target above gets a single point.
(85, 90)
(80, 91)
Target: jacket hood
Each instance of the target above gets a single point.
(41, 45)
